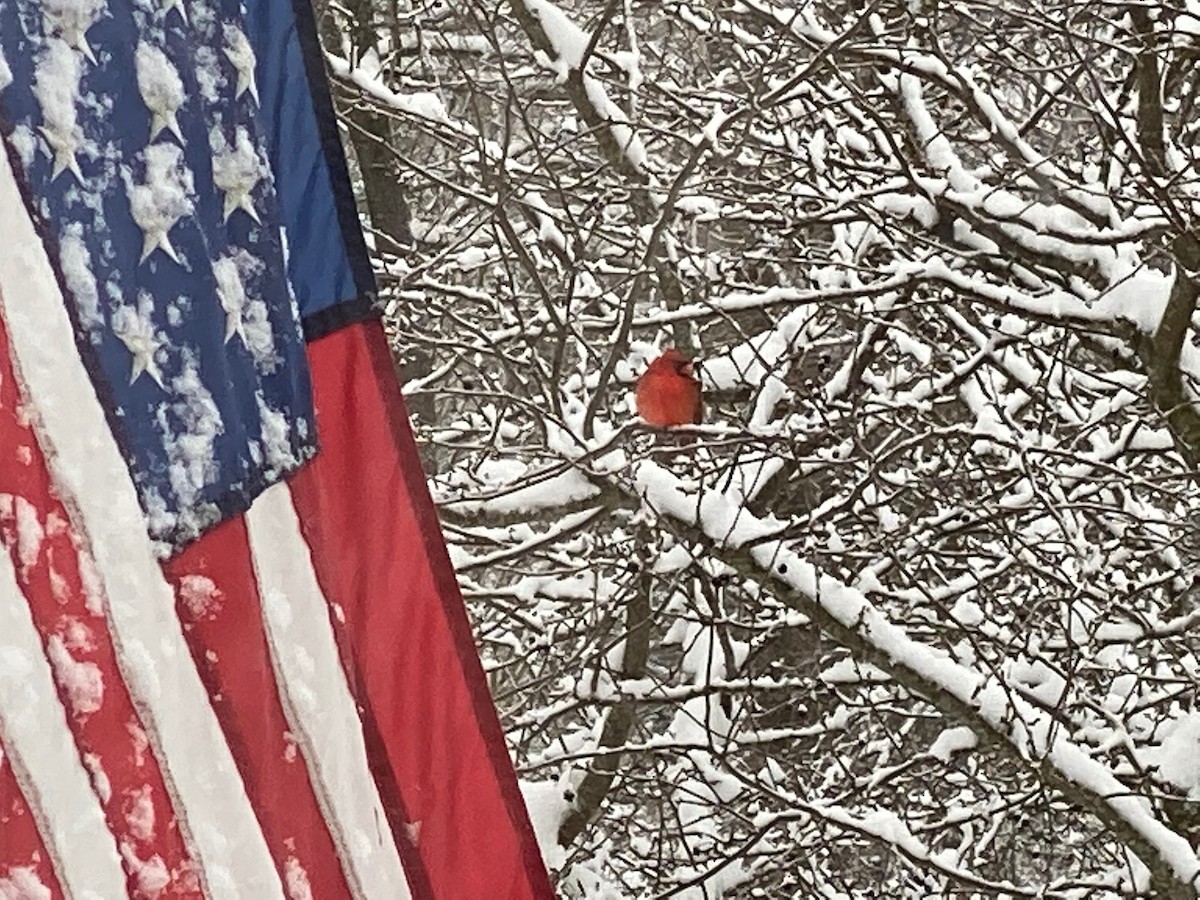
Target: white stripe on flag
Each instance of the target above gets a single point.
(44, 757)
(88, 468)
(321, 711)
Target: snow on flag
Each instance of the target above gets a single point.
(233, 657)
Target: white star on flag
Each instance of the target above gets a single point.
(135, 328)
(237, 171)
(169, 5)
(241, 54)
(162, 200)
(63, 146)
(56, 89)
(161, 89)
(70, 20)
(232, 294)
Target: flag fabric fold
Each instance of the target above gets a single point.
(234, 661)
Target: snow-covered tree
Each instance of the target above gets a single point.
(913, 613)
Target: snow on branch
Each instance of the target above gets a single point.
(984, 702)
(570, 49)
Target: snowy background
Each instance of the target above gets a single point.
(914, 613)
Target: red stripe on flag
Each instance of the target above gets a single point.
(22, 854)
(218, 602)
(378, 554)
(67, 606)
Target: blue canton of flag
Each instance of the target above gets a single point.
(138, 127)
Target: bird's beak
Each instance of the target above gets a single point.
(689, 370)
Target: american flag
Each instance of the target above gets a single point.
(234, 661)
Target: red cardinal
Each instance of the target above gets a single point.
(668, 393)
